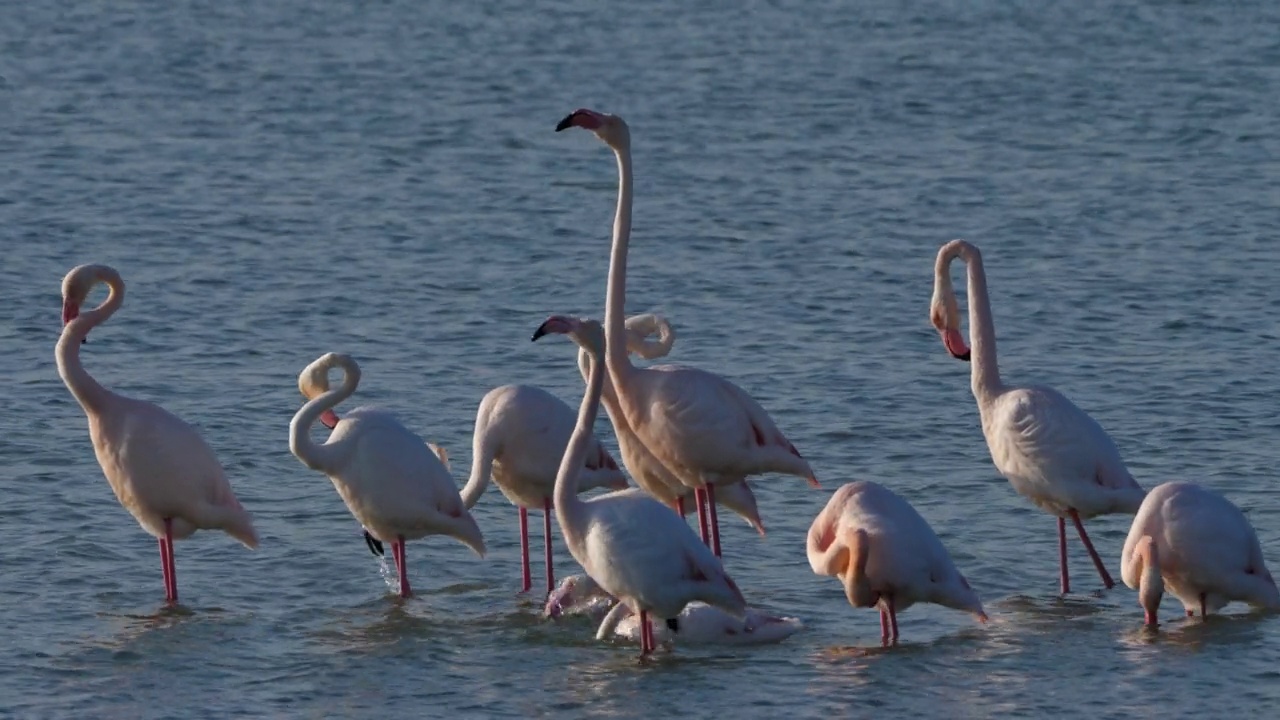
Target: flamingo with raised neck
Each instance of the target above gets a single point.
(1052, 452)
(648, 472)
(158, 466)
(704, 429)
(629, 543)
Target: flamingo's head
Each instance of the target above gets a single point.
(944, 313)
(313, 381)
(586, 332)
(574, 592)
(1150, 583)
(76, 286)
(611, 129)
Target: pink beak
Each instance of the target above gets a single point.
(329, 419)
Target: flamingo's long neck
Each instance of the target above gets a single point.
(318, 457)
(482, 454)
(615, 330)
(985, 378)
(91, 395)
(571, 511)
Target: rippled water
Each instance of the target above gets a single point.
(277, 180)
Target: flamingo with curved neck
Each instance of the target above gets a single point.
(629, 543)
(698, 623)
(1201, 546)
(649, 473)
(396, 485)
(886, 555)
(1052, 452)
(703, 428)
(520, 435)
(158, 466)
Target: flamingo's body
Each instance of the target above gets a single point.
(648, 472)
(159, 467)
(886, 555)
(697, 624)
(628, 542)
(704, 429)
(392, 482)
(520, 435)
(1201, 547)
(1051, 451)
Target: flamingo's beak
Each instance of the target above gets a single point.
(71, 311)
(329, 419)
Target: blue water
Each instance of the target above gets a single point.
(278, 180)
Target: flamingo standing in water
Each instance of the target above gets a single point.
(648, 472)
(629, 543)
(520, 435)
(704, 429)
(698, 623)
(392, 482)
(1051, 451)
(1200, 545)
(886, 555)
(159, 467)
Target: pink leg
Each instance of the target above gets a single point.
(893, 619)
(171, 592)
(680, 506)
(646, 634)
(715, 521)
(546, 529)
(1204, 613)
(397, 550)
(164, 568)
(884, 627)
(525, 575)
(700, 495)
(1062, 555)
(1107, 582)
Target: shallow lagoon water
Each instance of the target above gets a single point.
(279, 180)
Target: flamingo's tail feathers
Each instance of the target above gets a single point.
(236, 522)
(469, 534)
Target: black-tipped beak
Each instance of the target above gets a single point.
(542, 330)
(566, 123)
(963, 356)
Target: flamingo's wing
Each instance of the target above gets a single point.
(1044, 437)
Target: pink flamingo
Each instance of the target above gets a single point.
(703, 428)
(1051, 451)
(628, 542)
(159, 467)
(650, 474)
(886, 555)
(698, 623)
(396, 485)
(520, 435)
(1201, 546)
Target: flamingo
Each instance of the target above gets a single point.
(648, 472)
(886, 555)
(158, 466)
(629, 543)
(1051, 451)
(394, 484)
(520, 435)
(704, 429)
(698, 623)
(1199, 544)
